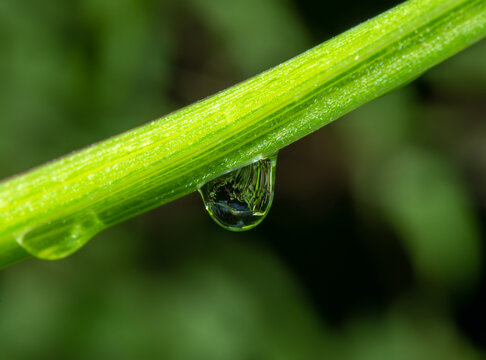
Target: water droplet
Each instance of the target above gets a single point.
(59, 238)
(240, 199)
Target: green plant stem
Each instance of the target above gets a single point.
(156, 163)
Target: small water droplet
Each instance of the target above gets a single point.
(240, 199)
(59, 238)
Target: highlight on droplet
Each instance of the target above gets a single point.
(240, 199)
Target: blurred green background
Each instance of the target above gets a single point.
(374, 247)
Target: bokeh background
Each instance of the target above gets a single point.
(374, 247)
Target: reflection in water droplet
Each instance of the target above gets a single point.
(57, 239)
(240, 199)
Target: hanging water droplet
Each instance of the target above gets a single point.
(57, 239)
(240, 199)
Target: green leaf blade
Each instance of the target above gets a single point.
(163, 160)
